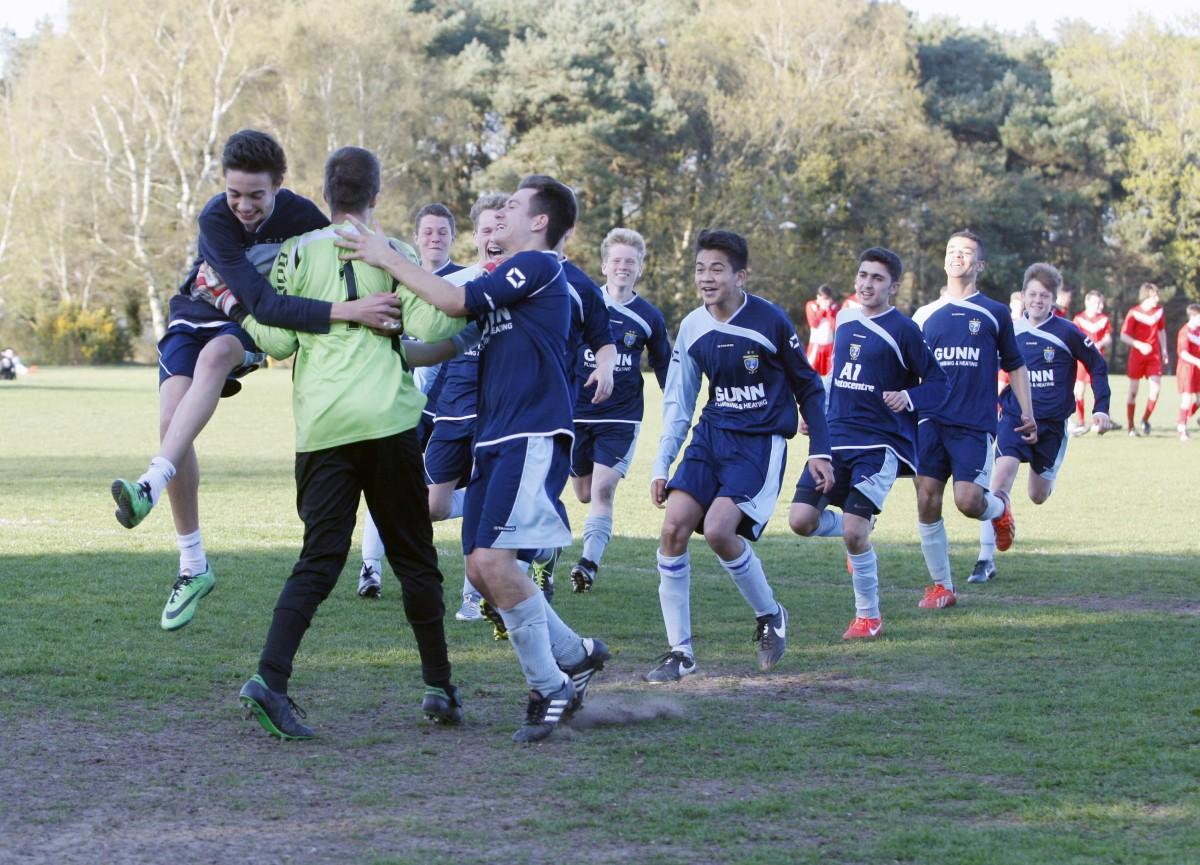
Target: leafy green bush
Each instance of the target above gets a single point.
(73, 335)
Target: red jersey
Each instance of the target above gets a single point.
(1187, 346)
(820, 323)
(1145, 325)
(1095, 327)
(1060, 312)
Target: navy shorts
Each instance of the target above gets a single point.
(182, 344)
(944, 450)
(744, 467)
(512, 500)
(448, 454)
(1045, 456)
(606, 444)
(861, 481)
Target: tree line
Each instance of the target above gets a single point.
(815, 129)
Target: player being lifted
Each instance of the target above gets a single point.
(522, 437)
(1052, 347)
(883, 375)
(968, 332)
(1145, 332)
(203, 351)
(356, 412)
(1095, 324)
(606, 434)
(1187, 368)
(729, 477)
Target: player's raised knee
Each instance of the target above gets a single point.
(803, 519)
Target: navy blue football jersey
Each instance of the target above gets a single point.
(636, 326)
(757, 375)
(872, 355)
(972, 339)
(1050, 350)
(524, 309)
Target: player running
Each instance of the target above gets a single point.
(821, 314)
(1052, 347)
(1145, 332)
(1187, 368)
(606, 434)
(523, 435)
(729, 477)
(968, 333)
(204, 352)
(1097, 327)
(883, 375)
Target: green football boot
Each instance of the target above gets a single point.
(275, 712)
(499, 629)
(133, 502)
(541, 570)
(185, 595)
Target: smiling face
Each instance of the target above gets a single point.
(622, 267)
(250, 196)
(517, 225)
(874, 287)
(434, 236)
(485, 230)
(1039, 301)
(963, 263)
(720, 285)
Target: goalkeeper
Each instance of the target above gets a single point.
(356, 410)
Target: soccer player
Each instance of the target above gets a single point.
(434, 234)
(606, 434)
(883, 375)
(1095, 324)
(821, 313)
(1051, 347)
(968, 333)
(203, 351)
(729, 477)
(1187, 368)
(448, 452)
(1016, 306)
(1062, 301)
(1145, 332)
(356, 412)
(522, 436)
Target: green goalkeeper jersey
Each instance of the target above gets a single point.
(349, 384)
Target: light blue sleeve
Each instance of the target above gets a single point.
(679, 402)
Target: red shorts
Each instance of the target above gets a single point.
(1144, 365)
(1187, 377)
(821, 358)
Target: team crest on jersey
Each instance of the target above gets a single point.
(1048, 353)
(750, 360)
(630, 338)
(515, 278)
(855, 350)
(973, 326)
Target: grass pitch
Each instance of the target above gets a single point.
(1051, 717)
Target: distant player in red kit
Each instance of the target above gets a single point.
(1187, 368)
(1097, 326)
(1145, 332)
(821, 313)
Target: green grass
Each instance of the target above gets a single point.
(1051, 717)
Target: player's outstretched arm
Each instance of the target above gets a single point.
(371, 245)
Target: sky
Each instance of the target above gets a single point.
(1011, 15)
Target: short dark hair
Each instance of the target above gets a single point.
(883, 255)
(436, 209)
(970, 235)
(351, 179)
(732, 244)
(1193, 309)
(555, 201)
(825, 290)
(254, 152)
